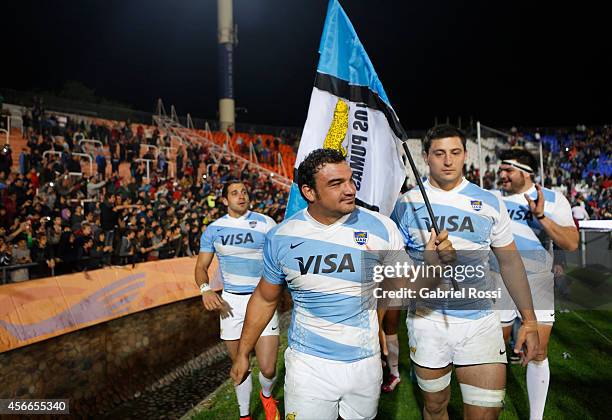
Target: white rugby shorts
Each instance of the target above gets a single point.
(231, 326)
(317, 388)
(435, 344)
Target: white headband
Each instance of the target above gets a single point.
(518, 165)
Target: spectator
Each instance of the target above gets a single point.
(44, 255)
(579, 212)
(127, 247)
(24, 161)
(5, 253)
(87, 257)
(77, 218)
(101, 163)
(68, 249)
(20, 255)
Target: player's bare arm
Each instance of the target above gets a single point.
(515, 278)
(259, 312)
(212, 301)
(566, 237)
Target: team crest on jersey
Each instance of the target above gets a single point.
(476, 204)
(253, 223)
(361, 237)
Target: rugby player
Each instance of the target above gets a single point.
(539, 218)
(238, 239)
(464, 334)
(333, 359)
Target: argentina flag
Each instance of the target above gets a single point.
(349, 111)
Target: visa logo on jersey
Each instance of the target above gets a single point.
(325, 264)
(237, 239)
(452, 223)
(520, 214)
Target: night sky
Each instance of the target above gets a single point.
(506, 63)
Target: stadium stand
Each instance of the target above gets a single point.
(71, 204)
(577, 162)
(79, 193)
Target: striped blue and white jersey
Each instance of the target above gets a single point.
(322, 267)
(238, 243)
(475, 219)
(531, 240)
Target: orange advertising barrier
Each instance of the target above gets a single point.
(36, 310)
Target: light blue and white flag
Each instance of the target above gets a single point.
(349, 111)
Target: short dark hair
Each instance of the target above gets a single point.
(521, 156)
(442, 131)
(313, 164)
(227, 184)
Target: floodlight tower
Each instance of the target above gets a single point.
(227, 40)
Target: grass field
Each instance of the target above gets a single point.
(579, 386)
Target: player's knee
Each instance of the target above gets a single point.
(481, 413)
(541, 355)
(483, 398)
(436, 392)
(268, 371)
(436, 403)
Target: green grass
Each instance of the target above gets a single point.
(579, 387)
(589, 289)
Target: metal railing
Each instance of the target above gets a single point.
(91, 142)
(148, 161)
(14, 267)
(173, 126)
(51, 152)
(85, 155)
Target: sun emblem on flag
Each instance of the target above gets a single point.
(338, 128)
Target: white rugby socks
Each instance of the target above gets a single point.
(538, 377)
(393, 356)
(243, 394)
(266, 385)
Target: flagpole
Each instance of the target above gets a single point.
(415, 171)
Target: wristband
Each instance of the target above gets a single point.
(204, 287)
(541, 217)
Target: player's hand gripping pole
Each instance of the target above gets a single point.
(425, 198)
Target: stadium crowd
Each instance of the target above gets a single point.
(57, 222)
(577, 162)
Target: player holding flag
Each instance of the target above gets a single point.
(462, 334)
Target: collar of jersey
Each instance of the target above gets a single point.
(458, 188)
(320, 225)
(243, 217)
